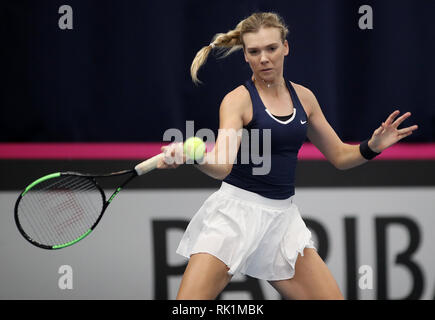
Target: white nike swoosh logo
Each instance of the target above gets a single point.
(303, 122)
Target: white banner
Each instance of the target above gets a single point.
(378, 243)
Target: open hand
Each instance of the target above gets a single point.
(388, 133)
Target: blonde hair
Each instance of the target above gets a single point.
(232, 41)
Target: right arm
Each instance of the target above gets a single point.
(218, 162)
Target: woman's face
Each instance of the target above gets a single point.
(265, 52)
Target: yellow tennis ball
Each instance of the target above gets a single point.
(194, 148)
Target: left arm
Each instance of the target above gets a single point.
(342, 155)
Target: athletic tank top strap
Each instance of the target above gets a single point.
(257, 104)
(295, 99)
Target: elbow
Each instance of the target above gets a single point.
(339, 163)
(219, 173)
(225, 172)
(340, 167)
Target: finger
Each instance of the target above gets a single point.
(391, 117)
(402, 136)
(166, 149)
(407, 130)
(167, 158)
(173, 166)
(161, 164)
(169, 149)
(179, 154)
(168, 146)
(379, 130)
(170, 154)
(382, 128)
(401, 119)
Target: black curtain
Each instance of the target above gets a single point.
(122, 72)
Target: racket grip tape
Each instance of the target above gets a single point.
(148, 165)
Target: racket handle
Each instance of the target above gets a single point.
(148, 165)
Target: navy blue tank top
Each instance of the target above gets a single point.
(286, 139)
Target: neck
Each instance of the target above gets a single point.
(269, 84)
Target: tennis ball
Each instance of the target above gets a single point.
(194, 148)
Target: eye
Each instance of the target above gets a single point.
(253, 52)
(272, 49)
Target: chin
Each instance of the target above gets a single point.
(266, 77)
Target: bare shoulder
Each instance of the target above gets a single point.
(237, 103)
(307, 97)
(237, 97)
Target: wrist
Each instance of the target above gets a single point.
(374, 149)
(366, 151)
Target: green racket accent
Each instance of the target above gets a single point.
(72, 242)
(114, 195)
(44, 178)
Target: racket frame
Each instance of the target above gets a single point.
(93, 179)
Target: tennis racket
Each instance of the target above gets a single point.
(60, 209)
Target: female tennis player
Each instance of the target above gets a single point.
(251, 225)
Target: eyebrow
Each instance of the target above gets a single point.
(269, 45)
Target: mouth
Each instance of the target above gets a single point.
(266, 70)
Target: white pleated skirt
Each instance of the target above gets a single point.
(251, 234)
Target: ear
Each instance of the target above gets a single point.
(286, 48)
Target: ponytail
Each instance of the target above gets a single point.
(227, 43)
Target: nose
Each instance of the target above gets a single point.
(264, 59)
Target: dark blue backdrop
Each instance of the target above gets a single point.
(122, 73)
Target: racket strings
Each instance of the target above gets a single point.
(47, 200)
(37, 200)
(60, 210)
(63, 212)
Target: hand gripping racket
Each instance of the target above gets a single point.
(60, 209)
